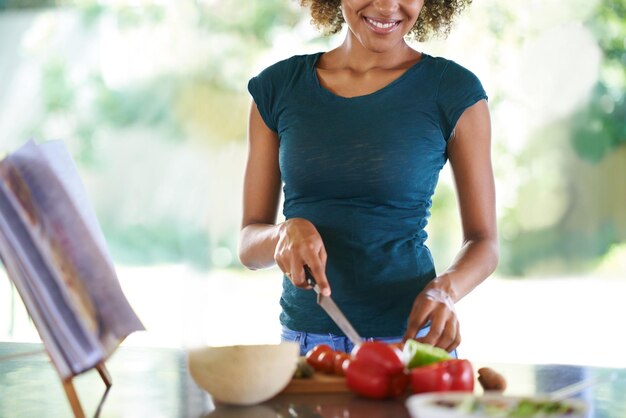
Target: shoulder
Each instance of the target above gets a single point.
(457, 89)
(275, 82)
(286, 68)
(454, 76)
(451, 72)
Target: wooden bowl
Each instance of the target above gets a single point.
(243, 374)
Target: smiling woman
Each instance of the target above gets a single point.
(96, 75)
(384, 26)
(436, 17)
(375, 120)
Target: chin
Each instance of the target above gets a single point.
(380, 47)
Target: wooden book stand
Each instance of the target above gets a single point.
(72, 396)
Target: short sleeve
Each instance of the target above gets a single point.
(458, 89)
(263, 93)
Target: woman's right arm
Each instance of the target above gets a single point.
(261, 193)
(262, 243)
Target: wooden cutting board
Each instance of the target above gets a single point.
(318, 383)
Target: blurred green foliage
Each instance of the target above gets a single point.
(601, 125)
(198, 104)
(147, 104)
(168, 242)
(254, 20)
(26, 4)
(56, 88)
(592, 178)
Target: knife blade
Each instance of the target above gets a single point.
(331, 308)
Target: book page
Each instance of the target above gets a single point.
(35, 220)
(60, 161)
(52, 345)
(55, 319)
(64, 229)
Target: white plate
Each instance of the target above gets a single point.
(425, 405)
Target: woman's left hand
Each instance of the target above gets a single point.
(435, 304)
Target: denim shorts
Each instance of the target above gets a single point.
(309, 340)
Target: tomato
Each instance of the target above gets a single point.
(448, 375)
(341, 361)
(313, 354)
(317, 350)
(376, 371)
(322, 358)
(326, 362)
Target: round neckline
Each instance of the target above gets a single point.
(324, 90)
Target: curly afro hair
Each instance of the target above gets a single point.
(435, 19)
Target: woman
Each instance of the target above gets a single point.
(357, 136)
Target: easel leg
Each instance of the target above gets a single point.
(72, 397)
(104, 374)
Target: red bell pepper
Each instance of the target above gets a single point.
(449, 375)
(376, 371)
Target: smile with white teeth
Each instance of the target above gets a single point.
(381, 24)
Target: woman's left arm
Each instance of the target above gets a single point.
(469, 152)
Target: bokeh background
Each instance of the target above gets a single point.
(150, 97)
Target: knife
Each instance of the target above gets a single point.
(331, 308)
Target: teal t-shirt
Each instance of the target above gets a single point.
(363, 171)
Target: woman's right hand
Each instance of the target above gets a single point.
(299, 243)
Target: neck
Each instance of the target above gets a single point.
(355, 56)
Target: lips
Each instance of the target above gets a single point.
(382, 26)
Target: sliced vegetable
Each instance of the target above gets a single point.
(418, 354)
(375, 352)
(376, 371)
(341, 362)
(497, 406)
(326, 362)
(317, 361)
(304, 370)
(433, 378)
(448, 375)
(317, 350)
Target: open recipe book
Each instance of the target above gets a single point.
(56, 255)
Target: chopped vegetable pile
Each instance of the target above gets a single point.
(524, 408)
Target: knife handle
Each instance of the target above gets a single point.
(309, 276)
